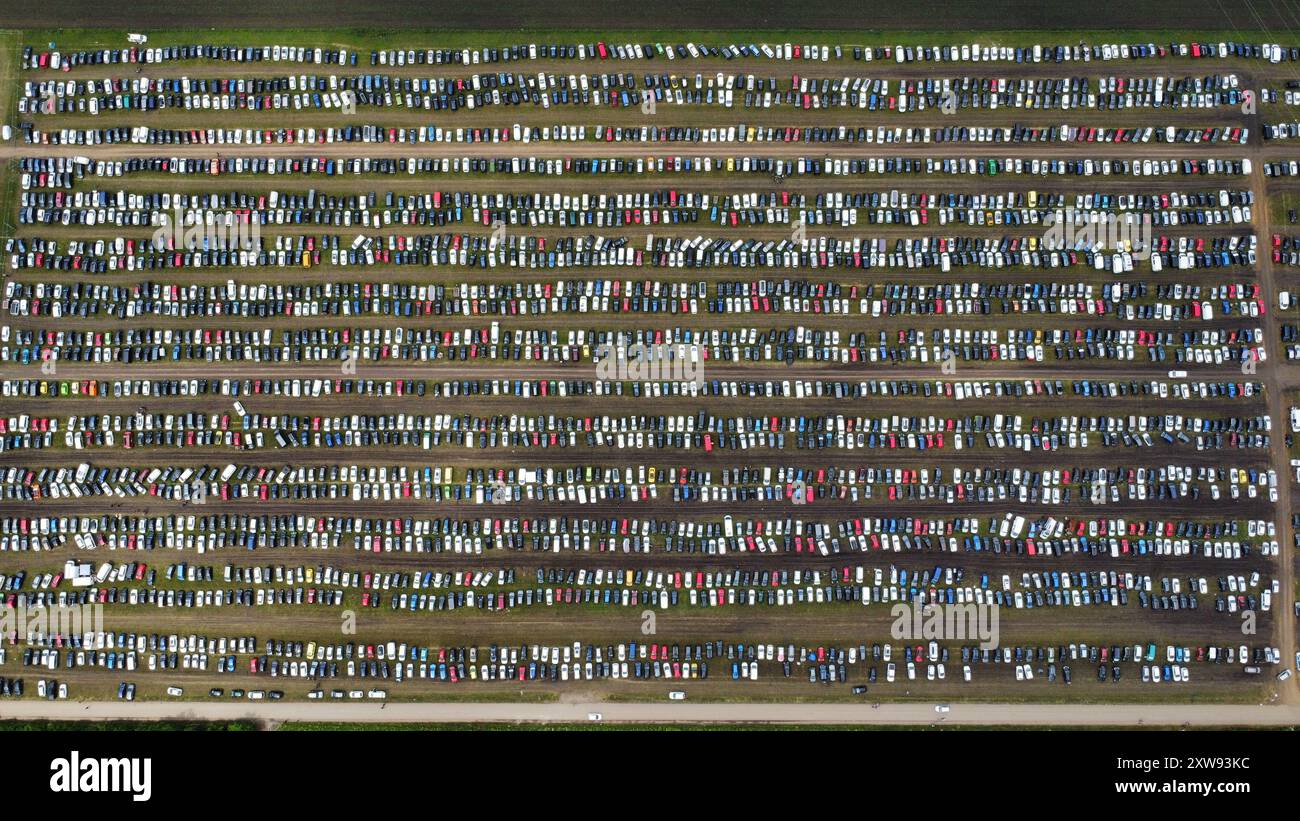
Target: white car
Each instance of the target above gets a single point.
(677, 695)
(594, 716)
(942, 708)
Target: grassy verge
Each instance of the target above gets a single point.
(13, 725)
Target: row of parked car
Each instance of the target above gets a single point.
(1235, 348)
(39, 205)
(637, 660)
(232, 243)
(924, 581)
(691, 431)
(613, 91)
(371, 133)
(969, 390)
(430, 591)
(823, 664)
(1124, 300)
(594, 484)
(737, 535)
(34, 59)
(63, 172)
(333, 650)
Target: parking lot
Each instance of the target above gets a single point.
(606, 369)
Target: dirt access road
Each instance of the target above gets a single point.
(1078, 715)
